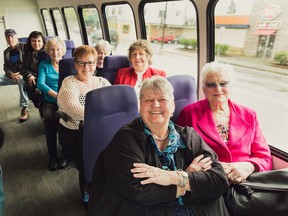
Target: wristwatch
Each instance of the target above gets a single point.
(184, 178)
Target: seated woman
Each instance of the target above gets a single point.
(47, 83)
(36, 42)
(140, 55)
(71, 100)
(103, 49)
(141, 172)
(230, 129)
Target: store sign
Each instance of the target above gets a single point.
(270, 12)
(268, 25)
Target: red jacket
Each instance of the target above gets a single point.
(246, 141)
(128, 75)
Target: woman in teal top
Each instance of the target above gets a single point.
(48, 74)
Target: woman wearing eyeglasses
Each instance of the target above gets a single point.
(71, 100)
(230, 129)
(47, 83)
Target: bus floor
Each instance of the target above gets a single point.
(30, 189)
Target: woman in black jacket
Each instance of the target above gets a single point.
(35, 42)
(155, 168)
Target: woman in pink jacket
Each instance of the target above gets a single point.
(230, 129)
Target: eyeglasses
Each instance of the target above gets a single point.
(83, 63)
(222, 84)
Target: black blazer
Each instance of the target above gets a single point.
(116, 192)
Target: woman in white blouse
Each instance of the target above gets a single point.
(71, 100)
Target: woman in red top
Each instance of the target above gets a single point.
(140, 56)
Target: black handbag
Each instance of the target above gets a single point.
(263, 194)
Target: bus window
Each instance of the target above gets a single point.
(47, 22)
(73, 26)
(171, 28)
(121, 27)
(250, 35)
(59, 23)
(92, 24)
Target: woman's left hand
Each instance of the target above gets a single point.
(200, 163)
(237, 172)
(154, 175)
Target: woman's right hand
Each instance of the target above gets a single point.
(200, 163)
(32, 80)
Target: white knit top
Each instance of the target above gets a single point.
(71, 98)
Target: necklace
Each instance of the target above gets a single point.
(161, 139)
(139, 82)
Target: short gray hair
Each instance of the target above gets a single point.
(216, 67)
(157, 84)
(55, 40)
(105, 45)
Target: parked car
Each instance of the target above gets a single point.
(97, 35)
(177, 40)
(165, 38)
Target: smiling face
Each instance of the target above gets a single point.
(55, 51)
(37, 43)
(216, 88)
(85, 66)
(102, 53)
(140, 60)
(156, 108)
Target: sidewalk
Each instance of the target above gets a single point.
(254, 63)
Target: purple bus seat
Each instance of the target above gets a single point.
(69, 48)
(111, 65)
(184, 92)
(23, 39)
(42, 55)
(107, 109)
(66, 68)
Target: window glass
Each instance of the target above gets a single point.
(48, 23)
(92, 25)
(171, 28)
(59, 23)
(121, 27)
(252, 36)
(73, 26)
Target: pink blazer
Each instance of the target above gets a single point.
(246, 141)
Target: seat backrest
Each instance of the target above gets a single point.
(111, 65)
(185, 92)
(42, 55)
(69, 48)
(23, 39)
(66, 68)
(107, 109)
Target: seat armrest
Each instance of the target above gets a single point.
(62, 115)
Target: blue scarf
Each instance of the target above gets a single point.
(166, 156)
